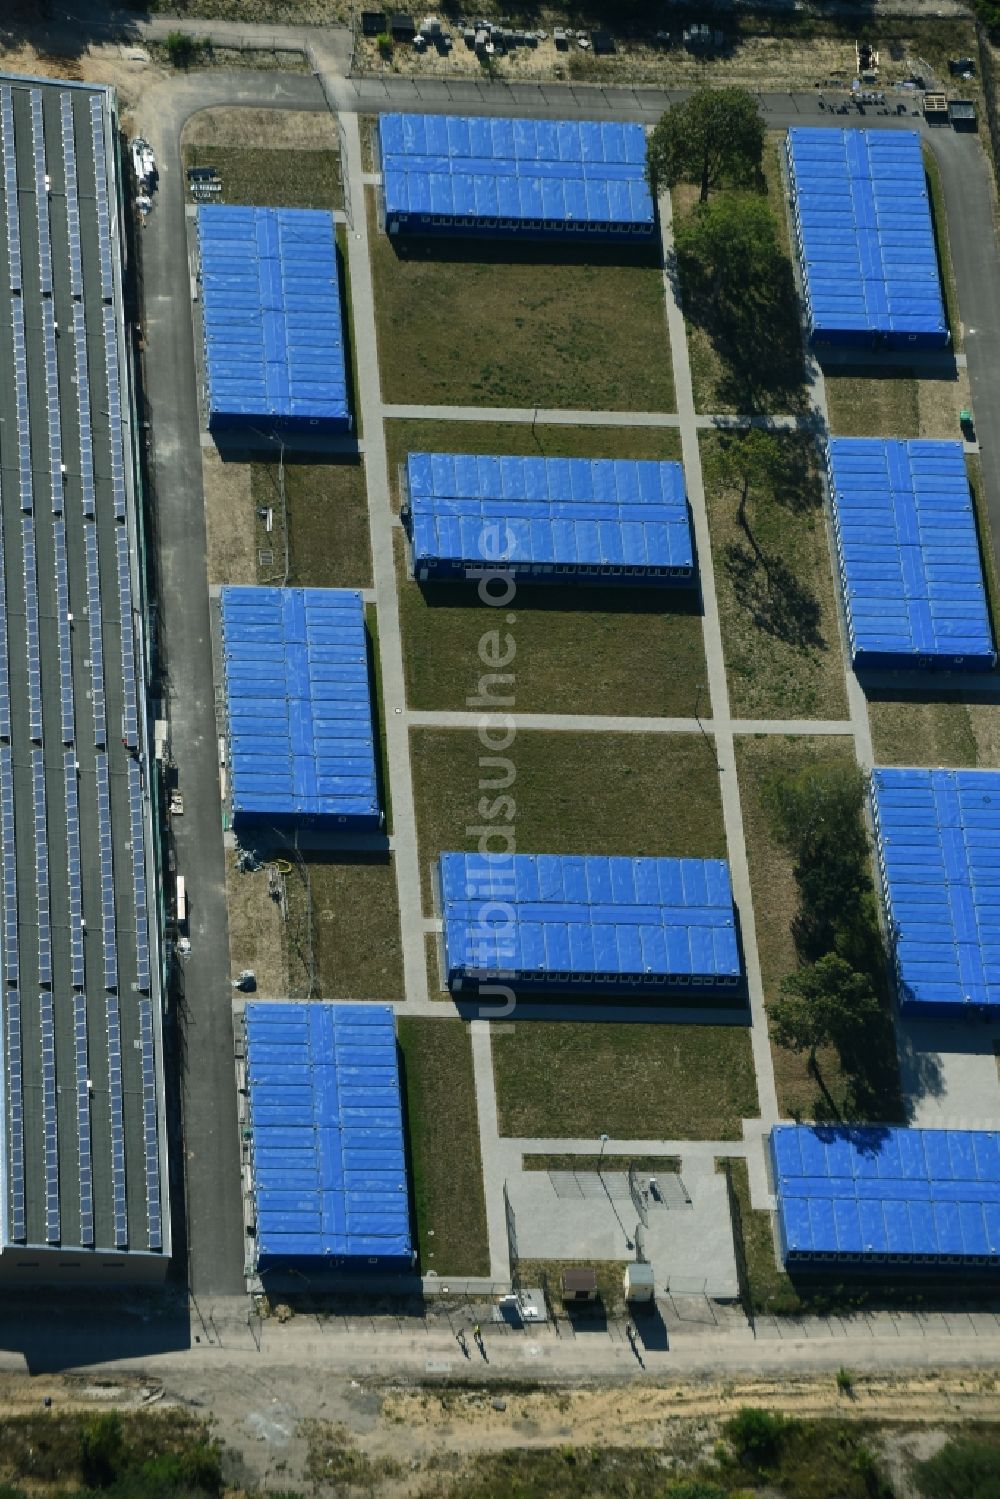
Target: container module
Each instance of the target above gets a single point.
(911, 574)
(579, 923)
(937, 839)
(298, 699)
(865, 238)
(272, 318)
(326, 1147)
(553, 520)
(880, 1199)
(452, 174)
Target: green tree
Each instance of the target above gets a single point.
(751, 464)
(716, 136)
(824, 1004)
(964, 1469)
(727, 252)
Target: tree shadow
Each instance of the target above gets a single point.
(777, 601)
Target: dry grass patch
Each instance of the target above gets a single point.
(633, 1082)
(328, 536)
(635, 794)
(779, 610)
(520, 325)
(758, 760)
(897, 404)
(940, 731)
(273, 129)
(632, 651)
(229, 520)
(443, 1133)
(256, 929)
(659, 444)
(266, 178)
(771, 1289)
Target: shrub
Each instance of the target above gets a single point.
(964, 1469)
(757, 1436)
(181, 49)
(102, 1450)
(845, 1381)
(384, 44)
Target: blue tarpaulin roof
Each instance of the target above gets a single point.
(938, 842)
(910, 568)
(874, 1193)
(866, 239)
(274, 341)
(579, 511)
(564, 918)
(557, 171)
(301, 738)
(326, 1120)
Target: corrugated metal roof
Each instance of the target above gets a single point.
(866, 239)
(274, 340)
(578, 512)
(878, 1194)
(301, 737)
(938, 844)
(326, 1120)
(562, 919)
(518, 174)
(910, 567)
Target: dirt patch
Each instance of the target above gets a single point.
(256, 929)
(277, 129)
(229, 520)
(129, 68)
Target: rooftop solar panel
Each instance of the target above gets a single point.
(103, 208)
(10, 187)
(119, 1199)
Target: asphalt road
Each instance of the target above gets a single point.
(211, 1144)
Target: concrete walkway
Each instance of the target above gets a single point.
(717, 685)
(569, 417)
(380, 520)
(582, 723)
(491, 1150)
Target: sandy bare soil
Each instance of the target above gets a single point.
(127, 67)
(256, 930)
(229, 520)
(277, 129)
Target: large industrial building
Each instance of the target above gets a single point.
(866, 239)
(452, 174)
(83, 1144)
(882, 1200)
(323, 1140)
(590, 924)
(299, 708)
(555, 520)
(911, 575)
(937, 841)
(272, 321)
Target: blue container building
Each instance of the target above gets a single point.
(273, 326)
(911, 575)
(553, 520)
(451, 174)
(937, 835)
(326, 1146)
(865, 238)
(302, 749)
(852, 1198)
(551, 923)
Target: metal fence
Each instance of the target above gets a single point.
(638, 1195)
(739, 1248)
(987, 71)
(515, 1270)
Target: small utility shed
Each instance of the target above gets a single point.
(555, 520)
(865, 238)
(324, 1118)
(579, 923)
(273, 330)
(910, 570)
(937, 835)
(886, 1199)
(451, 174)
(299, 709)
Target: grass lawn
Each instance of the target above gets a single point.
(731, 371)
(574, 793)
(642, 1163)
(443, 1132)
(518, 438)
(327, 505)
(934, 731)
(940, 219)
(524, 326)
(272, 179)
(758, 759)
(770, 1288)
(356, 946)
(632, 651)
(655, 1082)
(779, 614)
(896, 404)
